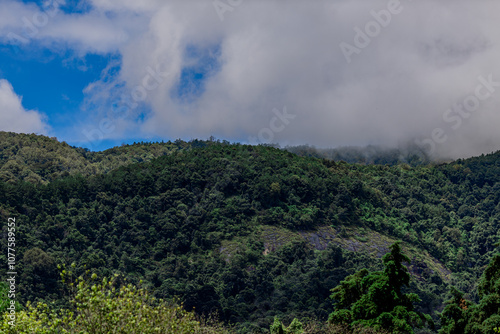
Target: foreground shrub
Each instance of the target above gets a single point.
(101, 308)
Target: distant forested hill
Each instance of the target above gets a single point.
(248, 231)
(40, 159)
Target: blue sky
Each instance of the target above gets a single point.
(51, 82)
(99, 73)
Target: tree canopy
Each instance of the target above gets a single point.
(376, 299)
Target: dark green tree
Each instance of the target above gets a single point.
(454, 315)
(376, 299)
(461, 316)
(485, 316)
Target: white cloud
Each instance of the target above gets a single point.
(127, 5)
(97, 31)
(274, 54)
(13, 116)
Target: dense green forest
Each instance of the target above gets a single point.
(39, 159)
(258, 235)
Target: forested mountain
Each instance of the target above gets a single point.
(251, 232)
(40, 159)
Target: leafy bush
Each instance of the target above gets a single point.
(100, 308)
(295, 327)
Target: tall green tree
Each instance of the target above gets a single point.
(377, 300)
(462, 316)
(454, 315)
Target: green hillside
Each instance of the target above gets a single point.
(40, 159)
(247, 232)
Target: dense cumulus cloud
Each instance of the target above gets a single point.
(14, 117)
(321, 72)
